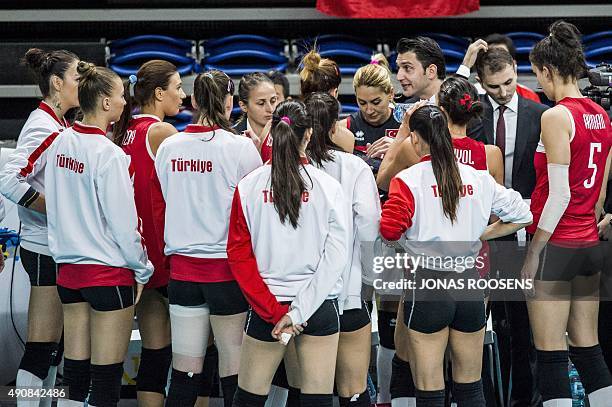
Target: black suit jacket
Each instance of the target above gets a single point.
(527, 138)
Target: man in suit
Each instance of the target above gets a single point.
(513, 124)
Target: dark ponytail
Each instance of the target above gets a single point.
(151, 75)
(209, 90)
(289, 124)
(431, 126)
(323, 109)
(459, 99)
(45, 64)
(561, 51)
(94, 82)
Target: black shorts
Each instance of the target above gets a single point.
(431, 310)
(163, 290)
(223, 298)
(110, 298)
(354, 319)
(325, 321)
(41, 269)
(563, 264)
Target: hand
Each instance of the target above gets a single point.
(286, 325)
(379, 148)
(603, 227)
(404, 129)
(472, 52)
(256, 140)
(529, 270)
(139, 289)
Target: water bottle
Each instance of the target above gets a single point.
(576, 387)
(400, 110)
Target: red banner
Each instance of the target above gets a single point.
(396, 8)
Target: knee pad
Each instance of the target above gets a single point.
(106, 385)
(316, 400)
(229, 384)
(183, 389)
(469, 394)
(358, 400)
(245, 399)
(37, 358)
(435, 398)
(386, 328)
(402, 384)
(153, 370)
(209, 372)
(552, 375)
(592, 368)
(293, 397)
(188, 324)
(57, 356)
(77, 377)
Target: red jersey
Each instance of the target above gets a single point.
(470, 152)
(266, 149)
(589, 145)
(136, 145)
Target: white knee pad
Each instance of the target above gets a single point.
(190, 330)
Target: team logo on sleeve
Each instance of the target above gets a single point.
(391, 132)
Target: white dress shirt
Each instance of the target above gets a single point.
(510, 117)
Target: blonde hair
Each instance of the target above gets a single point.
(318, 74)
(376, 74)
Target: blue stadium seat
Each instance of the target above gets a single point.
(598, 48)
(524, 42)
(181, 120)
(350, 53)
(128, 54)
(240, 54)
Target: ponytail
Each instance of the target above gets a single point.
(323, 109)
(120, 127)
(430, 124)
(289, 125)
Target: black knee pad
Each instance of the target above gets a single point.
(386, 328)
(209, 372)
(552, 375)
(293, 398)
(153, 370)
(76, 378)
(183, 389)
(243, 398)
(469, 394)
(591, 366)
(106, 385)
(402, 383)
(57, 356)
(316, 400)
(434, 398)
(37, 358)
(229, 384)
(358, 400)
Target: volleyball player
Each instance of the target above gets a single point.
(363, 205)
(439, 199)
(94, 236)
(279, 208)
(158, 93)
(564, 256)
(374, 128)
(196, 172)
(22, 180)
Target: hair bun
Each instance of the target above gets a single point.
(86, 70)
(35, 58)
(311, 61)
(381, 60)
(565, 33)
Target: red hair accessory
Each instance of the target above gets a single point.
(467, 99)
(374, 62)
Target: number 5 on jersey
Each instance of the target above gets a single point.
(588, 183)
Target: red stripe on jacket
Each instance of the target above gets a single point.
(397, 211)
(245, 270)
(25, 171)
